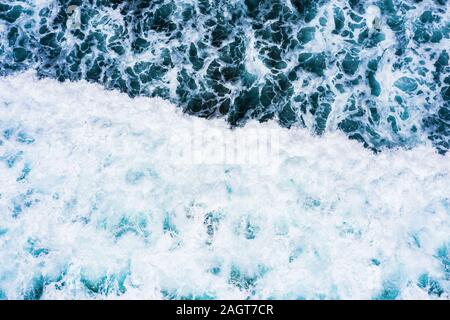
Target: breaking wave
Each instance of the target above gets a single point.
(95, 204)
(320, 171)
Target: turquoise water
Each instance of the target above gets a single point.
(200, 149)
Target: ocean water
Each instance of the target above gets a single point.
(378, 70)
(224, 149)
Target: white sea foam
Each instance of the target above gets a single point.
(108, 210)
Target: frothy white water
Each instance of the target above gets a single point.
(95, 203)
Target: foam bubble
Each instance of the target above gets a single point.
(95, 203)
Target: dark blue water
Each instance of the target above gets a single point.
(377, 70)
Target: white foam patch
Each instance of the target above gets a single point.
(107, 210)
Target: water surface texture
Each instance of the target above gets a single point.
(375, 69)
(199, 149)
